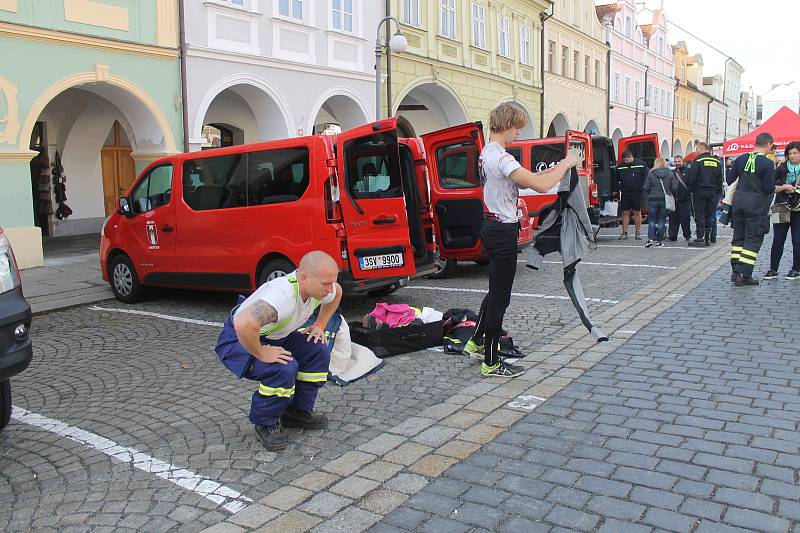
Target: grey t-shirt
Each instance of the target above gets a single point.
(500, 192)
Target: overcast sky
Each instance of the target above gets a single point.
(762, 36)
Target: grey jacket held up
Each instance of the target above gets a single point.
(652, 184)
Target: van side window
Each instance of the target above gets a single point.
(216, 182)
(544, 156)
(152, 191)
(277, 176)
(457, 165)
(373, 169)
(516, 153)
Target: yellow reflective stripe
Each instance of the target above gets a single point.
(313, 377)
(736, 248)
(735, 255)
(263, 390)
(266, 330)
(747, 261)
(748, 252)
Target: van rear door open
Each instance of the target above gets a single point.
(644, 147)
(373, 204)
(583, 142)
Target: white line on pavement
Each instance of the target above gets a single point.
(158, 315)
(230, 500)
(608, 264)
(520, 294)
(633, 246)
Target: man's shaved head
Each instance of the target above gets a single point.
(315, 262)
(317, 274)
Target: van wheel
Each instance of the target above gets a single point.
(276, 268)
(5, 403)
(124, 281)
(444, 267)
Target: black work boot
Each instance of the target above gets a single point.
(745, 281)
(295, 418)
(708, 237)
(271, 437)
(734, 276)
(699, 241)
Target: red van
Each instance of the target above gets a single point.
(457, 198)
(233, 218)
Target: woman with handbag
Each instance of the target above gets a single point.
(786, 213)
(660, 187)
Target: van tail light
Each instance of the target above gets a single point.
(333, 209)
(593, 194)
(343, 248)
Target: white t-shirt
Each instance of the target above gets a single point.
(500, 192)
(284, 296)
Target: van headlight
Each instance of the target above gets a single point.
(9, 275)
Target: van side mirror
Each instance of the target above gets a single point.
(125, 207)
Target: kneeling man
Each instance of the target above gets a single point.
(260, 341)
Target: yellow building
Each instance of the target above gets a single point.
(691, 103)
(463, 59)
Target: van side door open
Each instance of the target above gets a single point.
(373, 204)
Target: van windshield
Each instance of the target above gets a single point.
(373, 166)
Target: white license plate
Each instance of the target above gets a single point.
(373, 262)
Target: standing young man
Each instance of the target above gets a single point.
(705, 183)
(631, 174)
(502, 177)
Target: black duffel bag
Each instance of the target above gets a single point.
(395, 341)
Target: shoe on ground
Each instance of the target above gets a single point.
(473, 349)
(673, 239)
(272, 438)
(648, 244)
(501, 370)
(295, 418)
(746, 281)
(793, 275)
(734, 276)
(660, 243)
(697, 242)
(713, 241)
(623, 237)
(638, 237)
(771, 274)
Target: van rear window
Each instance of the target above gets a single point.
(544, 156)
(457, 165)
(646, 151)
(373, 166)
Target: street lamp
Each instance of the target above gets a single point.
(645, 109)
(397, 44)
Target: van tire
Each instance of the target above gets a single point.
(5, 403)
(444, 267)
(274, 268)
(124, 280)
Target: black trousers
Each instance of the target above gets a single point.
(750, 223)
(779, 234)
(679, 219)
(705, 208)
(500, 241)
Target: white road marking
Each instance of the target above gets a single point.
(526, 402)
(519, 294)
(627, 331)
(608, 264)
(687, 248)
(158, 315)
(230, 500)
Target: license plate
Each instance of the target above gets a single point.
(373, 262)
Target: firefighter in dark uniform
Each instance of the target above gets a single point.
(705, 183)
(750, 210)
(631, 175)
(680, 219)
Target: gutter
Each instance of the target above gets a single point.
(608, 81)
(543, 17)
(184, 90)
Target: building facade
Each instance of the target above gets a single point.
(717, 110)
(691, 103)
(576, 52)
(732, 97)
(642, 73)
(784, 94)
(259, 70)
(97, 82)
(463, 59)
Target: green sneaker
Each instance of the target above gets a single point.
(501, 370)
(473, 349)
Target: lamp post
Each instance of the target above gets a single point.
(397, 44)
(636, 116)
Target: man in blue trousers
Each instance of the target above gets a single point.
(260, 341)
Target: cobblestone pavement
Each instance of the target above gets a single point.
(154, 385)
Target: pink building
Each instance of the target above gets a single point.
(642, 81)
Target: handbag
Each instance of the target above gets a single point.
(780, 213)
(669, 200)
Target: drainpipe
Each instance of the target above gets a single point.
(608, 81)
(646, 73)
(674, 97)
(725, 90)
(183, 47)
(708, 121)
(388, 64)
(543, 17)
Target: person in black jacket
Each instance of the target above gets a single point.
(787, 173)
(680, 218)
(705, 183)
(631, 175)
(750, 209)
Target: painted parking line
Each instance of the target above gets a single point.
(158, 315)
(640, 246)
(229, 499)
(526, 402)
(519, 294)
(637, 265)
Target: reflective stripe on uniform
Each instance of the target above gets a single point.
(266, 330)
(749, 253)
(736, 252)
(263, 390)
(747, 261)
(313, 377)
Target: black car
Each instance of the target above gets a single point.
(16, 349)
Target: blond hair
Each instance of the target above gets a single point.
(507, 116)
(660, 162)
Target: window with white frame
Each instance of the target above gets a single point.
(235, 2)
(657, 101)
(503, 43)
(616, 88)
(636, 89)
(448, 26)
(291, 8)
(565, 61)
(627, 91)
(597, 82)
(586, 70)
(410, 13)
(342, 15)
(629, 27)
(525, 45)
(478, 26)
(551, 56)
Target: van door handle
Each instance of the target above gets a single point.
(384, 220)
(167, 229)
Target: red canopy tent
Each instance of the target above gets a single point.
(783, 125)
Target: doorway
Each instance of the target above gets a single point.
(119, 168)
